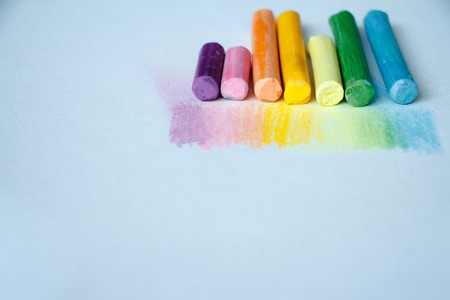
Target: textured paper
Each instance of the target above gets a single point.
(103, 197)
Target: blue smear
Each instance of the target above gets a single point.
(415, 130)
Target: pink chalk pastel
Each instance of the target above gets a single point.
(236, 73)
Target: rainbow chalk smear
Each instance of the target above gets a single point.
(257, 124)
(261, 124)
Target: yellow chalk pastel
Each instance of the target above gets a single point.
(327, 75)
(297, 86)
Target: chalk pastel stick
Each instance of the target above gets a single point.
(357, 82)
(236, 73)
(297, 86)
(207, 77)
(266, 68)
(400, 84)
(325, 65)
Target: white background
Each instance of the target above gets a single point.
(95, 203)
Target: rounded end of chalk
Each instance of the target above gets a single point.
(374, 18)
(329, 93)
(214, 45)
(341, 14)
(205, 88)
(238, 49)
(403, 91)
(376, 13)
(289, 12)
(268, 89)
(234, 89)
(297, 92)
(264, 11)
(360, 93)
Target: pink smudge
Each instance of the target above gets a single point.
(206, 124)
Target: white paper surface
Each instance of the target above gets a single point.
(97, 203)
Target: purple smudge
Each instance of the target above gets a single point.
(172, 87)
(188, 125)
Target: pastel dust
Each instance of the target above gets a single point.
(256, 124)
(251, 124)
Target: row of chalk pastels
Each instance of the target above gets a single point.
(280, 45)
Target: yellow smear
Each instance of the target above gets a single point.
(267, 129)
(327, 75)
(281, 134)
(287, 126)
(293, 59)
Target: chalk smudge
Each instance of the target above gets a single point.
(255, 124)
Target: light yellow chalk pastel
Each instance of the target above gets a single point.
(297, 85)
(327, 75)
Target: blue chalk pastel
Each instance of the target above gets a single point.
(400, 84)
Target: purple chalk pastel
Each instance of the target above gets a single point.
(207, 78)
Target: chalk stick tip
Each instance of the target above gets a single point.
(205, 88)
(268, 89)
(404, 91)
(234, 89)
(289, 12)
(329, 93)
(297, 92)
(214, 44)
(375, 13)
(359, 93)
(264, 11)
(341, 13)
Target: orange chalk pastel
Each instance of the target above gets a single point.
(266, 68)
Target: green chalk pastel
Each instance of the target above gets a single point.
(358, 87)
